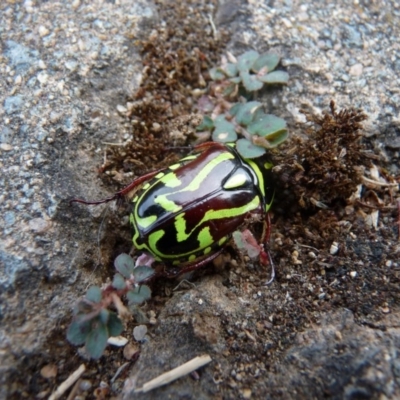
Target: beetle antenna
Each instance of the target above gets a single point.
(96, 202)
(169, 148)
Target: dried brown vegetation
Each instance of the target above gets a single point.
(326, 164)
(176, 59)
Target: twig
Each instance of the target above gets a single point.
(119, 370)
(74, 390)
(68, 383)
(214, 29)
(368, 181)
(175, 373)
(307, 247)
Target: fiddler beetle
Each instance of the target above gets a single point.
(185, 214)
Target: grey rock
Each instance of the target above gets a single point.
(13, 104)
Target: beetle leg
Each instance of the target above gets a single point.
(207, 145)
(121, 193)
(191, 267)
(265, 254)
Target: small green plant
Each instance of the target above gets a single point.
(93, 321)
(239, 78)
(250, 70)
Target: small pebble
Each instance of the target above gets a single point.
(85, 385)
(246, 393)
(334, 248)
(139, 332)
(6, 147)
(121, 109)
(49, 371)
(43, 31)
(130, 350)
(39, 225)
(118, 341)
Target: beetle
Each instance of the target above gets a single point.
(185, 214)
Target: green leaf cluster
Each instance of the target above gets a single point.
(93, 325)
(251, 70)
(245, 123)
(261, 131)
(125, 266)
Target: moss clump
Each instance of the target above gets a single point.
(326, 164)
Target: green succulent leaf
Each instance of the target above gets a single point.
(246, 60)
(104, 315)
(248, 150)
(274, 77)
(238, 239)
(266, 60)
(245, 241)
(114, 325)
(94, 294)
(219, 118)
(266, 125)
(230, 70)
(236, 80)
(139, 294)
(217, 74)
(229, 90)
(96, 340)
(124, 265)
(142, 273)
(250, 81)
(83, 307)
(235, 108)
(272, 140)
(118, 282)
(206, 125)
(78, 331)
(245, 113)
(224, 131)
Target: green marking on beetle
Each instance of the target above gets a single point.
(180, 226)
(132, 219)
(174, 167)
(207, 250)
(192, 258)
(153, 239)
(170, 180)
(236, 181)
(166, 204)
(204, 237)
(189, 158)
(268, 206)
(231, 212)
(146, 222)
(268, 165)
(205, 171)
(146, 186)
(260, 176)
(160, 175)
(180, 222)
(222, 241)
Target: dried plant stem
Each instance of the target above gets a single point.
(175, 373)
(68, 383)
